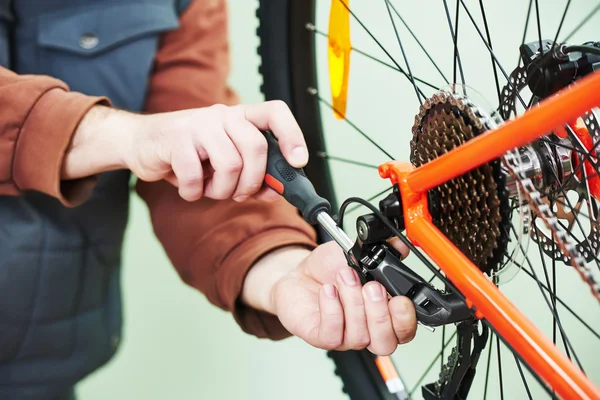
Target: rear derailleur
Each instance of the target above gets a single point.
(375, 259)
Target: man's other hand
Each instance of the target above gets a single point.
(217, 152)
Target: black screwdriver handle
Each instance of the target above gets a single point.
(292, 183)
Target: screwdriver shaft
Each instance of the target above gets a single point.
(335, 231)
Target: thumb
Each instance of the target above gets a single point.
(399, 246)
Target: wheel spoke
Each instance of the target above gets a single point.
(587, 154)
(443, 341)
(555, 319)
(562, 21)
(500, 368)
(526, 23)
(419, 43)
(412, 79)
(322, 154)
(578, 223)
(489, 39)
(553, 295)
(539, 24)
(372, 36)
(539, 284)
(487, 369)
(492, 52)
(455, 43)
(377, 60)
(582, 23)
(354, 208)
(523, 377)
(439, 355)
(562, 303)
(353, 125)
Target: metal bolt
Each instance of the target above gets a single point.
(363, 230)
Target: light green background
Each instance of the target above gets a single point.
(178, 346)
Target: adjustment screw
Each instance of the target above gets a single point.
(363, 230)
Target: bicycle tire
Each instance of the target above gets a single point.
(280, 61)
(288, 68)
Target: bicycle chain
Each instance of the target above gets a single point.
(544, 212)
(589, 246)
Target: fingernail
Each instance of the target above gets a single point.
(348, 276)
(240, 198)
(329, 291)
(375, 292)
(300, 155)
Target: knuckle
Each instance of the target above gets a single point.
(219, 108)
(406, 337)
(220, 192)
(332, 344)
(192, 179)
(279, 105)
(331, 340)
(259, 147)
(380, 319)
(386, 350)
(252, 188)
(353, 299)
(360, 342)
(335, 321)
(248, 189)
(233, 167)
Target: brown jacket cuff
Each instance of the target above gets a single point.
(43, 141)
(258, 323)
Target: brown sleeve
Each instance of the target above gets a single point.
(213, 244)
(39, 117)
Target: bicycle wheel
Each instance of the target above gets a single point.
(448, 45)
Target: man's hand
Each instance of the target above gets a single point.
(216, 152)
(322, 301)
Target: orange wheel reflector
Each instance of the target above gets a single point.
(339, 49)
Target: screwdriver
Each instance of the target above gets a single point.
(296, 188)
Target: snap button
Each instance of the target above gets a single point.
(88, 41)
(115, 340)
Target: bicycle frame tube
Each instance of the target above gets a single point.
(564, 107)
(532, 345)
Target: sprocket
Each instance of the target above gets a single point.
(472, 210)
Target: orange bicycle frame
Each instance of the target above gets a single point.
(542, 356)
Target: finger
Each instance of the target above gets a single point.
(277, 117)
(267, 195)
(331, 325)
(400, 246)
(404, 318)
(383, 337)
(226, 162)
(252, 147)
(187, 167)
(172, 179)
(356, 333)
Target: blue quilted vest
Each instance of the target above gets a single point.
(60, 303)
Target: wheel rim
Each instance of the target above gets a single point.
(548, 276)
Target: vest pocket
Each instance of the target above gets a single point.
(107, 49)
